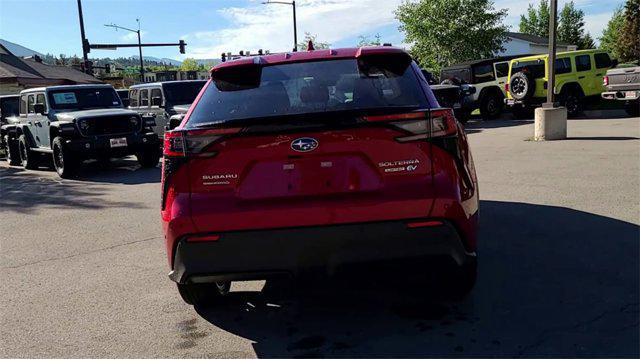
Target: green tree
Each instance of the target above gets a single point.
(629, 40)
(317, 44)
(364, 40)
(610, 35)
(439, 39)
(536, 21)
(189, 64)
(571, 27)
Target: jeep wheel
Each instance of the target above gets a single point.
(28, 158)
(491, 106)
(572, 100)
(65, 163)
(203, 293)
(13, 151)
(522, 112)
(148, 158)
(632, 108)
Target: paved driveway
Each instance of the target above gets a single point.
(84, 269)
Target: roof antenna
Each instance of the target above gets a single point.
(310, 46)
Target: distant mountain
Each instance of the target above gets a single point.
(161, 60)
(19, 50)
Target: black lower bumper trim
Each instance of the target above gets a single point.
(252, 255)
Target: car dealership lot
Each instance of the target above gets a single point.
(84, 266)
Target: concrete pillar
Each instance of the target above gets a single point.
(550, 123)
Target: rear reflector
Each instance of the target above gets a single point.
(206, 238)
(423, 224)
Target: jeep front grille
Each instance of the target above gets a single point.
(109, 125)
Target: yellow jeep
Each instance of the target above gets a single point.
(578, 76)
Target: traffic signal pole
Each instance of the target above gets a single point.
(85, 49)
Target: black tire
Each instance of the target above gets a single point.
(64, 162)
(203, 293)
(13, 151)
(521, 86)
(573, 101)
(491, 105)
(461, 280)
(632, 108)
(522, 112)
(463, 116)
(149, 158)
(28, 158)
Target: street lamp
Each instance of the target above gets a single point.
(139, 44)
(295, 27)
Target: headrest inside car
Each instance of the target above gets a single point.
(314, 94)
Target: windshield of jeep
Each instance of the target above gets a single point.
(84, 98)
(182, 93)
(308, 88)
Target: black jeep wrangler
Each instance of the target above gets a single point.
(8, 112)
(74, 123)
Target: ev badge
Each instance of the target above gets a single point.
(304, 144)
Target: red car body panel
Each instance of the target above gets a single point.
(258, 182)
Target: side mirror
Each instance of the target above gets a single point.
(174, 121)
(38, 108)
(125, 102)
(468, 90)
(156, 101)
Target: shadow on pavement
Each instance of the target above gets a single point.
(480, 125)
(24, 191)
(604, 138)
(553, 282)
(124, 171)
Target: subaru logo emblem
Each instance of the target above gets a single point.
(304, 144)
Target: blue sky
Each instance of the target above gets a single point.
(212, 26)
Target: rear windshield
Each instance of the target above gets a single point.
(84, 98)
(310, 87)
(182, 93)
(535, 68)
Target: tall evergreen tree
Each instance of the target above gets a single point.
(536, 21)
(629, 40)
(610, 35)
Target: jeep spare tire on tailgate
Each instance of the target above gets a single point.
(522, 85)
(316, 161)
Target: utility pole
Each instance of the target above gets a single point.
(295, 26)
(552, 53)
(85, 48)
(139, 44)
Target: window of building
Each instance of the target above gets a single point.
(583, 63)
(602, 60)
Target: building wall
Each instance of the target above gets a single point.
(521, 47)
(10, 88)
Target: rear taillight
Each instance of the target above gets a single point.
(193, 142)
(506, 87)
(421, 125)
(605, 81)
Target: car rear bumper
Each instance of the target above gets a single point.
(621, 95)
(89, 147)
(252, 255)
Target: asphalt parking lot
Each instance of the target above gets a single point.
(84, 267)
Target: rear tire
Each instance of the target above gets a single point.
(632, 108)
(65, 163)
(462, 279)
(203, 293)
(572, 100)
(12, 150)
(148, 158)
(522, 112)
(28, 158)
(491, 106)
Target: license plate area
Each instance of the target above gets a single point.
(630, 94)
(118, 142)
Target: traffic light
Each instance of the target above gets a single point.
(182, 45)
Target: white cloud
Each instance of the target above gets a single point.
(271, 26)
(132, 36)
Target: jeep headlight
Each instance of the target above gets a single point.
(84, 125)
(135, 121)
